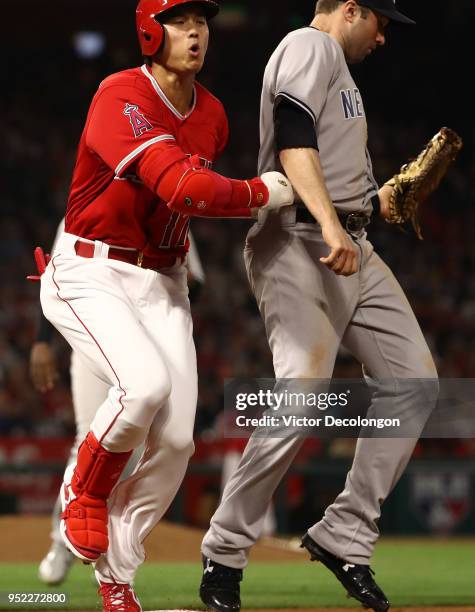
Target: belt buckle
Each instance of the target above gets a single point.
(140, 259)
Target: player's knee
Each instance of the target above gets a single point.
(420, 364)
(426, 384)
(178, 443)
(158, 392)
(147, 395)
(432, 377)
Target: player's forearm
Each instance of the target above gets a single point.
(302, 167)
(192, 190)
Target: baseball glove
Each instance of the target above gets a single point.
(420, 177)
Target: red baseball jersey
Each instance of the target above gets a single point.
(129, 113)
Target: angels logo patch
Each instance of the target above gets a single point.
(139, 123)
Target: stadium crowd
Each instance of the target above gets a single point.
(43, 115)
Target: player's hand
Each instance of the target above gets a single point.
(384, 194)
(280, 190)
(343, 256)
(43, 370)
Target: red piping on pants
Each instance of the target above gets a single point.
(98, 346)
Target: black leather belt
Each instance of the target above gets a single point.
(352, 222)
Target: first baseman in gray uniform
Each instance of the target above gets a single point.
(319, 284)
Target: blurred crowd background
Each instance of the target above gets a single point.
(54, 56)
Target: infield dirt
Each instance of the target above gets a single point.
(25, 539)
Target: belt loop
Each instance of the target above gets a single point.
(101, 249)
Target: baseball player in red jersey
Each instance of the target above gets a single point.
(116, 284)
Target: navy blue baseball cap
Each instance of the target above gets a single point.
(388, 9)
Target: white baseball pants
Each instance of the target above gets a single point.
(132, 329)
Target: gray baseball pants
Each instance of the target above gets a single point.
(308, 312)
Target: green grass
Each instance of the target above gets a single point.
(412, 573)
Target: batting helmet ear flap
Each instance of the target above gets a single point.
(152, 41)
(151, 33)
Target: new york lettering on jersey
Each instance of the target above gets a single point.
(129, 114)
(352, 103)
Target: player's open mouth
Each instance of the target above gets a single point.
(194, 50)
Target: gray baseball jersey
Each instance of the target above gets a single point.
(309, 312)
(309, 68)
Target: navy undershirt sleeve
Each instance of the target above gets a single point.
(293, 125)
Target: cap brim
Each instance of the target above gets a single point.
(394, 15)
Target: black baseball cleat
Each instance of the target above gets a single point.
(220, 588)
(357, 579)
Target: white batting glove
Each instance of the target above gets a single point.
(280, 190)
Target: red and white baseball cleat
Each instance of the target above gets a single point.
(84, 494)
(117, 597)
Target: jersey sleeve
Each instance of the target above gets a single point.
(122, 125)
(305, 70)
